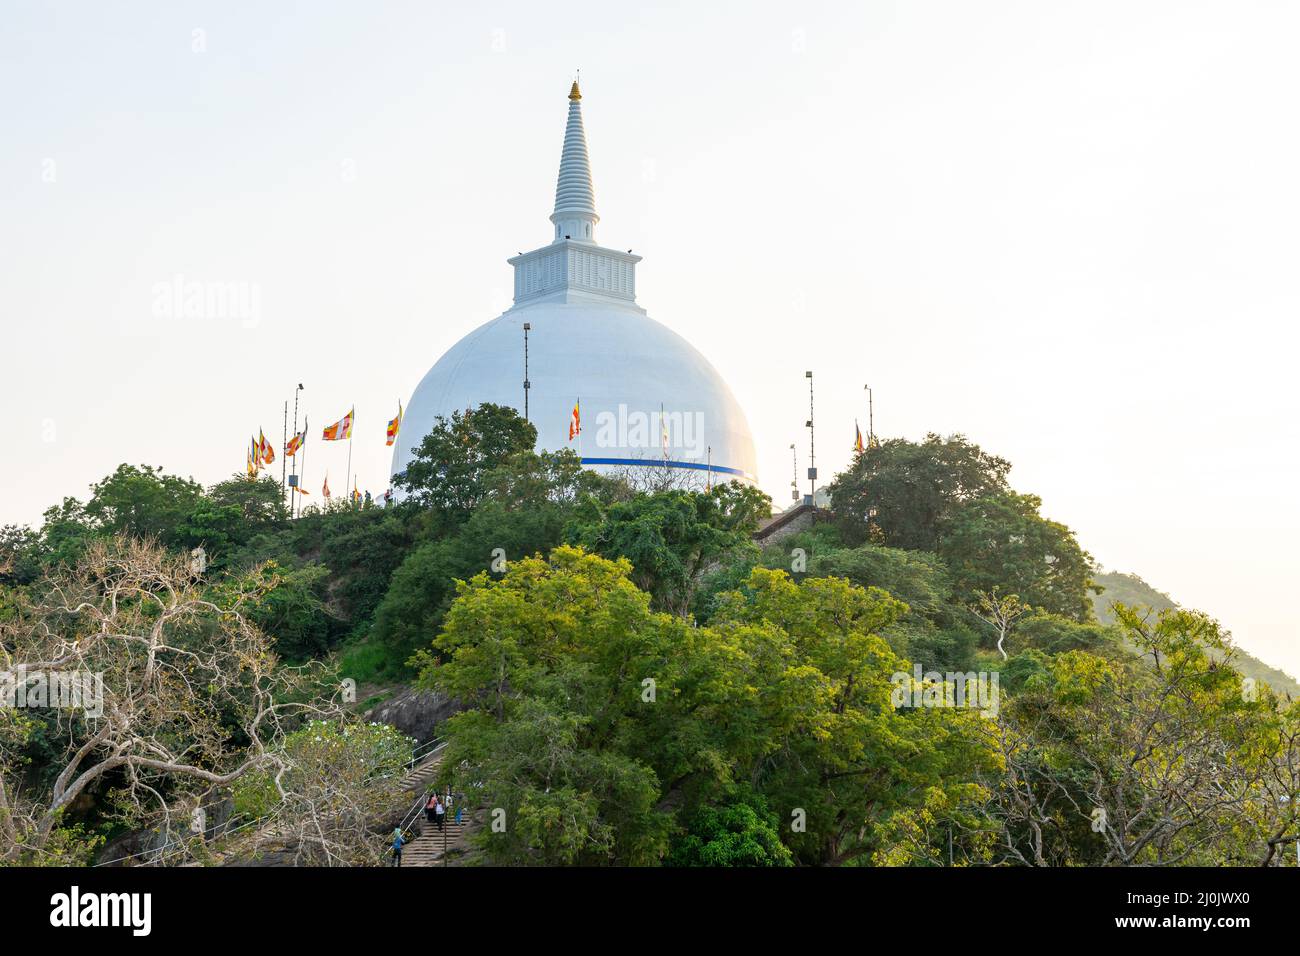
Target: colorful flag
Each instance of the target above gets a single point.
(857, 441)
(663, 431)
(303, 491)
(296, 442)
(356, 495)
(264, 447)
(325, 492)
(341, 429)
(255, 454)
(395, 424)
(252, 466)
(575, 421)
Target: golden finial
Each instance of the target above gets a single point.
(573, 93)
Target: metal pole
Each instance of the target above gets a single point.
(527, 326)
(353, 425)
(812, 444)
(304, 463)
(284, 459)
(871, 417)
(295, 431)
(794, 481)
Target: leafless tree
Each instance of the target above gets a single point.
(1000, 612)
(191, 696)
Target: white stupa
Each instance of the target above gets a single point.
(646, 397)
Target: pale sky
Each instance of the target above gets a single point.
(1065, 229)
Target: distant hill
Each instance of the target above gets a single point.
(1131, 589)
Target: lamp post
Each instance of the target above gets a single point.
(812, 445)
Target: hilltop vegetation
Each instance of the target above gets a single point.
(1131, 591)
(638, 681)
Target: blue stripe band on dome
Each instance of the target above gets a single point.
(693, 465)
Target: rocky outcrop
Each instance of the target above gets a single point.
(416, 713)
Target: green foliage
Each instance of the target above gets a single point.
(1002, 543)
(741, 832)
(231, 515)
(448, 470)
(914, 488)
(1188, 765)
(528, 501)
(673, 537)
(143, 502)
(789, 688)
(643, 685)
(291, 609)
(1130, 590)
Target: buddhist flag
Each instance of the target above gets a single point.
(857, 441)
(663, 431)
(296, 442)
(264, 447)
(255, 455)
(325, 492)
(394, 425)
(252, 466)
(303, 491)
(356, 495)
(341, 429)
(575, 421)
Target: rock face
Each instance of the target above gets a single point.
(416, 713)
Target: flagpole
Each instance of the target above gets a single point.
(302, 473)
(351, 425)
(292, 491)
(284, 459)
(663, 433)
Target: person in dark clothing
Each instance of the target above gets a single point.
(430, 807)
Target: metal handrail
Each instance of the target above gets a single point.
(162, 853)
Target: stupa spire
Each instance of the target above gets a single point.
(575, 203)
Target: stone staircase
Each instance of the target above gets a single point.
(430, 845)
(428, 848)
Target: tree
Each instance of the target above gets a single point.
(449, 465)
(164, 694)
(672, 538)
(742, 832)
(336, 781)
(865, 778)
(594, 722)
(1002, 542)
(20, 555)
(1167, 760)
(549, 660)
(1000, 612)
(143, 502)
(232, 513)
(527, 503)
(914, 489)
